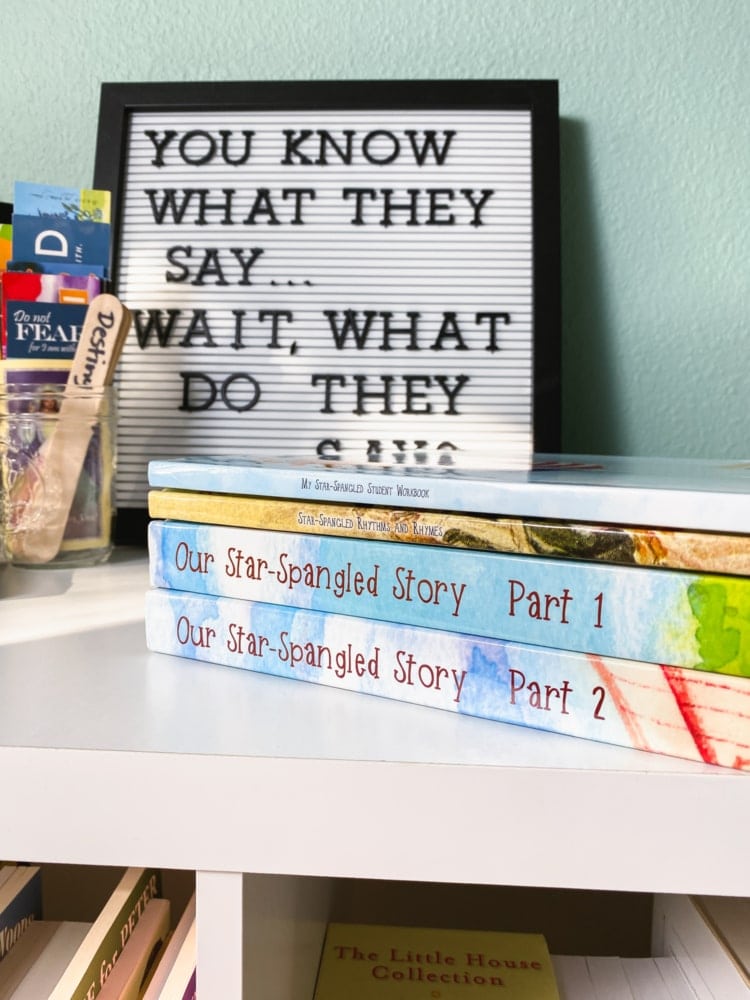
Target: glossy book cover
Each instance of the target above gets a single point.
(678, 493)
(682, 713)
(674, 617)
(628, 545)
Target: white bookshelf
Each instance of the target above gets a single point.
(270, 790)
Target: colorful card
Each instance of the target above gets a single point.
(6, 233)
(43, 314)
(58, 242)
(71, 203)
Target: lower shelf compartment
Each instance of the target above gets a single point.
(260, 936)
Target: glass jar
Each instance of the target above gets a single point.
(57, 469)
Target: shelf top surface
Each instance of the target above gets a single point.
(76, 639)
(243, 772)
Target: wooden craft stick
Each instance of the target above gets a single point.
(41, 504)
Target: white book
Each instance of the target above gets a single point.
(132, 970)
(681, 930)
(183, 967)
(20, 958)
(674, 979)
(645, 979)
(5, 873)
(172, 950)
(609, 979)
(51, 962)
(104, 942)
(729, 918)
(573, 979)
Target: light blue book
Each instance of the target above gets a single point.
(687, 493)
(668, 710)
(672, 617)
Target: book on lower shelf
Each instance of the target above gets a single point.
(88, 969)
(129, 952)
(373, 961)
(20, 903)
(604, 977)
(180, 973)
(39, 958)
(140, 955)
(707, 938)
(729, 919)
(179, 953)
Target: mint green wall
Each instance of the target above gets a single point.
(655, 160)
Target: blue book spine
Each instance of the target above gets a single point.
(43, 331)
(60, 241)
(671, 617)
(668, 710)
(25, 906)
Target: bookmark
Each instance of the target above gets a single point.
(37, 532)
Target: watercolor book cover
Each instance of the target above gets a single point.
(682, 713)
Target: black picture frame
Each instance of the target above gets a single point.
(120, 101)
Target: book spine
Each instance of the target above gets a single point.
(708, 498)
(191, 990)
(704, 552)
(672, 617)
(671, 711)
(25, 907)
(104, 942)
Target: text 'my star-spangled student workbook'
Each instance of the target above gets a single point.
(661, 616)
(678, 493)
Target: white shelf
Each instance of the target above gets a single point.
(307, 780)
(114, 755)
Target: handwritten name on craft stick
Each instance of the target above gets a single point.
(97, 349)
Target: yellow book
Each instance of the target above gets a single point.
(705, 551)
(376, 962)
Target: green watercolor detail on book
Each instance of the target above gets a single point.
(722, 610)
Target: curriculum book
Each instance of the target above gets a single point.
(374, 961)
(87, 971)
(699, 495)
(665, 710)
(628, 545)
(674, 617)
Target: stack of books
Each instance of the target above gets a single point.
(131, 951)
(604, 598)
